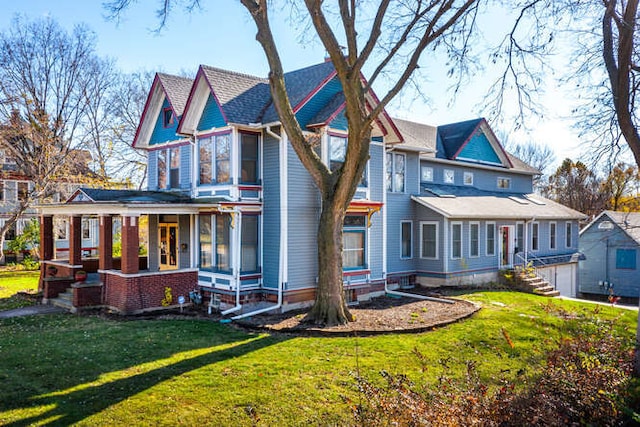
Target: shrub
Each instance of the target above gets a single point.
(586, 381)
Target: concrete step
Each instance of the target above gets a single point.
(64, 300)
(552, 293)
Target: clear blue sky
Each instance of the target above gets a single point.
(223, 35)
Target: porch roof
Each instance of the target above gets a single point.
(92, 201)
(470, 203)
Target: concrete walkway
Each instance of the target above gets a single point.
(31, 310)
(623, 306)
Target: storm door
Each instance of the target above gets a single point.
(507, 236)
(168, 238)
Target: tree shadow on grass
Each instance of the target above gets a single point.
(72, 407)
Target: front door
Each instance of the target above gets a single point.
(168, 238)
(507, 235)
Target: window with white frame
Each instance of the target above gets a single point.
(520, 237)
(215, 242)
(395, 172)
(535, 235)
(174, 167)
(491, 238)
(61, 228)
(86, 228)
(504, 183)
(2, 190)
(568, 235)
(214, 157)
(449, 176)
(206, 248)
(426, 174)
(406, 245)
(467, 178)
(456, 240)
(249, 149)
(474, 239)
(354, 242)
(162, 169)
(337, 154)
(553, 235)
(249, 250)
(429, 239)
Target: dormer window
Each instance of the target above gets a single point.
(167, 117)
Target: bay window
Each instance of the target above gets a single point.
(214, 159)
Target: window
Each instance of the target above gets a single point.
(206, 256)
(353, 242)
(626, 259)
(167, 117)
(406, 245)
(552, 235)
(214, 159)
(520, 237)
(504, 183)
(449, 176)
(467, 178)
(162, 169)
(535, 228)
(568, 235)
(456, 240)
(429, 239)
(474, 239)
(223, 243)
(86, 228)
(23, 190)
(11, 232)
(426, 174)
(337, 151)
(249, 248)
(491, 238)
(249, 158)
(395, 164)
(1, 190)
(174, 167)
(61, 226)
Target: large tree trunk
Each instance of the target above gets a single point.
(330, 307)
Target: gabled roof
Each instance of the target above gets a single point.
(455, 137)
(329, 111)
(417, 136)
(629, 222)
(470, 203)
(167, 87)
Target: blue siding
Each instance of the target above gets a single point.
(339, 122)
(304, 213)
(184, 233)
(152, 170)
(161, 134)
(600, 247)
(376, 185)
(318, 101)
(271, 212)
(479, 148)
(185, 166)
(211, 115)
(154, 257)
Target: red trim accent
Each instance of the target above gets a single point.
(466, 141)
(365, 203)
(356, 272)
(498, 141)
(251, 276)
(384, 111)
(250, 187)
(314, 91)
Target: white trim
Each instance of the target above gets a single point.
(406, 221)
(471, 223)
(437, 224)
(466, 175)
(537, 236)
(453, 176)
(508, 179)
(460, 223)
(570, 234)
(477, 166)
(421, 174)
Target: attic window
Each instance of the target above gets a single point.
(167, 117)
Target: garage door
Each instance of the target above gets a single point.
(565, 280)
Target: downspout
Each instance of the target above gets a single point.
(283, 227)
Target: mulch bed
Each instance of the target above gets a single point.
(382, 315)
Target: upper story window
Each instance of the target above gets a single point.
(535, 229)
(426, 174)
(23, 190)
(174, 167)
(449, 176)
(162, 169)
(249, 158)
(552, 235)
(395, 172)
(167, 117)
(568, 234)
(467, 178)
(337, 154)
(504, 183)
(214, 157)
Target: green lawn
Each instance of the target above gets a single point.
(85, 370)
(13, 281)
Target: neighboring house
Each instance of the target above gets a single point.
(611, 244)
(14, 185)
(232, 212)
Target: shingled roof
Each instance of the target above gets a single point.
(242, 97)
(629, 222)
(177, 90)
(452, 137)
